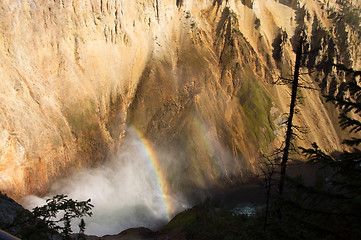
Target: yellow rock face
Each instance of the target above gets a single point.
(193, 76)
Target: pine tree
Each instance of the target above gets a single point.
(70, 208)
(51, 219)
(332, 210)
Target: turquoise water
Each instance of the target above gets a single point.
(246, 209)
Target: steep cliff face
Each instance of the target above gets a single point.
(194, 77)
(65, 65)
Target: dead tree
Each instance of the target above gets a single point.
(290, 118)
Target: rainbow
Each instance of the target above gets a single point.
(216, 167)
(154, 164)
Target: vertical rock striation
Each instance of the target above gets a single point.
(193, 76)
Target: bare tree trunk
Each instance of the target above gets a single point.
(268, 196)
(290, 118)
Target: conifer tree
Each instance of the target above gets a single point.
(332, 210)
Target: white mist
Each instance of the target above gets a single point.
(124, 191)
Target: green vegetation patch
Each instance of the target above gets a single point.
(256, 104)
(209, 220)
(182, 220)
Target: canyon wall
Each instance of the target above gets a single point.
(193, 77)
